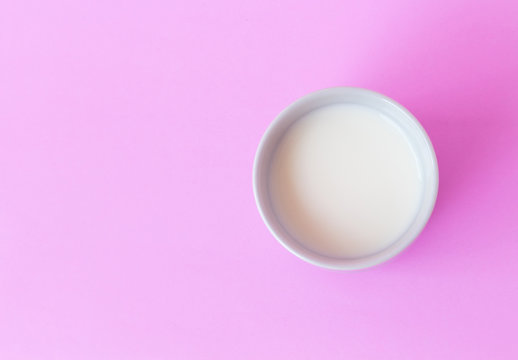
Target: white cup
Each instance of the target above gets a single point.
(345, 95)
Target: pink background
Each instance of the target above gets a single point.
(128, 228)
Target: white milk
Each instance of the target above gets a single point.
(345, 181)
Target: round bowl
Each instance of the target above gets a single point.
(415, 134)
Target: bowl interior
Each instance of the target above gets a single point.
(400, 116)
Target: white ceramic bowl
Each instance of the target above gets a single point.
(406, 121)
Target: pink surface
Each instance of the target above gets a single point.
(128, 228)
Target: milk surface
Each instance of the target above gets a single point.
(345, 181)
